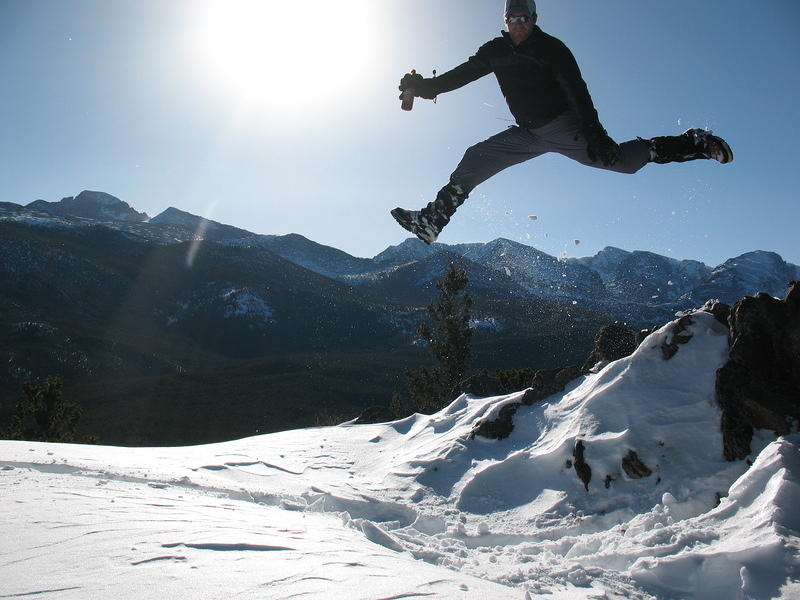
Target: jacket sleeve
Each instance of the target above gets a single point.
(476, 67)
(571, 81)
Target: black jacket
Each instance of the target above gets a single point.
(540, 79)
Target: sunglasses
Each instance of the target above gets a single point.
(522, 19)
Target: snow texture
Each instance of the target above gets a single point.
(419, 508)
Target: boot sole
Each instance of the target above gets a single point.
(725, 150)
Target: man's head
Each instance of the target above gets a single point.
(520, 17)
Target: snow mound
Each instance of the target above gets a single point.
(662, 409)
(747, 547)
(421, 507)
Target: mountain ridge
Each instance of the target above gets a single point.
(184, 307)
(612, 274)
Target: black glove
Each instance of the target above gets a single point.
(599, 146)
(420, 85)
(411, 81)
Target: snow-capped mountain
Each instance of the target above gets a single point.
(538, 272)
(409, 250)
(614, 488)
(93, 299)
(613, 277)
(762, 271)
(184, 225)
(645, 276)
(316, 257)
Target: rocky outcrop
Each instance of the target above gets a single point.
(679, 330)
(611, 343)
(498, 428)
(759, 386)
(545, 383)
(757, 389)
(680, 334)
(720, 310)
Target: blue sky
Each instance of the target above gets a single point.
(287, 120)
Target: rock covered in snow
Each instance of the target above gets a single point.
(679, 334)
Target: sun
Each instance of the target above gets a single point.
(285, 54)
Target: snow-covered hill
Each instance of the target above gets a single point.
(615, 488)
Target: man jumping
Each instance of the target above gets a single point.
(545, 92)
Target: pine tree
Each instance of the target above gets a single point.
(43, 415)
(447, 332)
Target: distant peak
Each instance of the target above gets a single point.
(173, 211)
(613, 250)
(501, 241)
(92, 205)
(98, 198)
(173, 216)
(760, 254)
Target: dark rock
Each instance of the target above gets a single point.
(611, 343)
(678, 335)
(634, 467)
(582, 468)
(720, 310)
(544, 385)
(499, 428)
(759, 386)
(547, 383)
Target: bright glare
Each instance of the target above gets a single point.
(285, 54)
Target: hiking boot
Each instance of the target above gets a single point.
(428, 223)
(415, 222)
(692, 144)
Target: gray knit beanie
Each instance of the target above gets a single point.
(528, 7)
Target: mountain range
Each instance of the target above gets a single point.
(177, 310)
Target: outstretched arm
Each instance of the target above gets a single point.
(430, 87)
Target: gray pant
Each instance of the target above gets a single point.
(516, 145)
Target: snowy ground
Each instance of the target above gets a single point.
(419, 509)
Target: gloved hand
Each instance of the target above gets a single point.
(600, 146)
(422, 87)
(411, 81)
